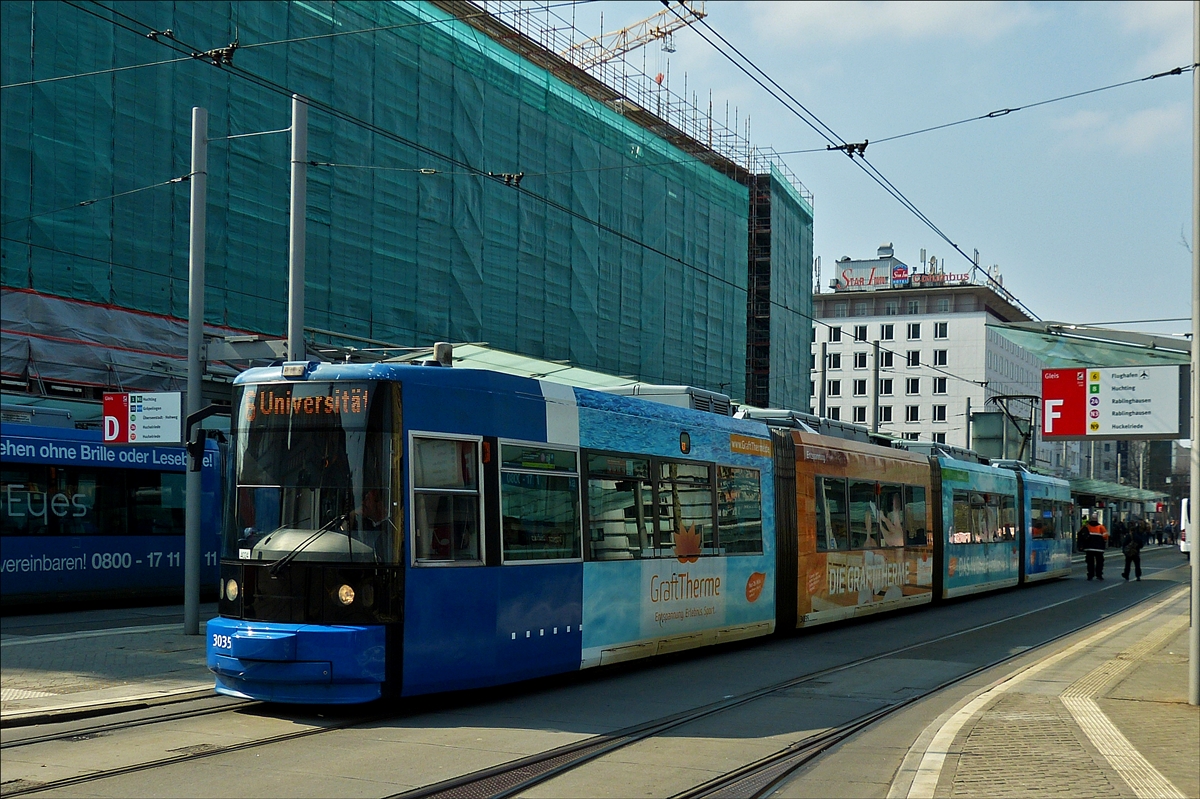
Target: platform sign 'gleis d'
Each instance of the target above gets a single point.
(135, 418)
(1112, 402)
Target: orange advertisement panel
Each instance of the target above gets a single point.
(856, 575)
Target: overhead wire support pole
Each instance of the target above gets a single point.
(1194, 490)
(196, 256)
(298, 210)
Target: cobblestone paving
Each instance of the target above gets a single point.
(1021, 739)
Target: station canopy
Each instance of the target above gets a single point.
(1061, 345)
(1104, 490)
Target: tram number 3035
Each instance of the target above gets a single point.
(222, 641)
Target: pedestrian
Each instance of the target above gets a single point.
(1132, 547)
(1094, 543)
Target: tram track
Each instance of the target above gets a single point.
(184, 754)
(754, 779)
(204, 706)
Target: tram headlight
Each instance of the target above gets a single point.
(345, 595)
(231, 590)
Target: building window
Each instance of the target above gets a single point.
(885, 413)
(939, 357)
(860, 360)
(860, 388)
(940, 330)
(812, 361)
(891, 308)
(861, 309)
(839, 310)
(914, 357)
(939, 385)
(885, 387)
(887, 332)
(911, 436)
(834, 413)
(912, 413)
(914, 306)
(914, 331)
(1107, 448)
(885, 359)
(835, 360)
(835, 334)
(1107, 465)
(939, 413)
(912, 385)
(860, 414)
(943, 305)
(834, 388)
(860, 332)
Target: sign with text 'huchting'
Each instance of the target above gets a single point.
(134, 418)
(1115, 402)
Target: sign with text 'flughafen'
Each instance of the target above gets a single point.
(1115, 402)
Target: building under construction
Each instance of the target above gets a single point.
(477, 173)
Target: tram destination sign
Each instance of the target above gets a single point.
(1124, 402)
(136, 418)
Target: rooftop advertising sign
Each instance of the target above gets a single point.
(1113, 402)
(882, 276)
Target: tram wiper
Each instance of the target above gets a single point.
(275, 567)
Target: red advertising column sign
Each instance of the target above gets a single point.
(1064, 402)
(116, 418)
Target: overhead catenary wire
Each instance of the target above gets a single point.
(837, 142)
(154, 34)
(1002, 112)
(94, 200)
(175, 43)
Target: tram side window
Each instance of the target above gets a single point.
(445, 475)
(962, 527)
(832, 531)
(864, 534)
(539, 501)
(983, 518)
(916, 520)
(685, 509)
(889, 515)
(1044, 520)
(739, 511)
(1007, 529)
(620, 508)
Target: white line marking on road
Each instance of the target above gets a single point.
(25, 640)
(944, 730)
(1146, 781)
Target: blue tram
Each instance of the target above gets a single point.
(399, 529)
(82, 520)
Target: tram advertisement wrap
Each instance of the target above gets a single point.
(842, 583)
(661, 598)
(34, 565)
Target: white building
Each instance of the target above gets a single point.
(937, 359)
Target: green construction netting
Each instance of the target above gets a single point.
(618, 253)
(791, 294)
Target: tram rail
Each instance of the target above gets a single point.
(755, 779)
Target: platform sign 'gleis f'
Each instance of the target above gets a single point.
(1112, 402)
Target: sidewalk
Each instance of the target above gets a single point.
(1113, 721)
(72, 664)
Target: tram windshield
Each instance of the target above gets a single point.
(312, 467)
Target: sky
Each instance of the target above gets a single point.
(1084, 205)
